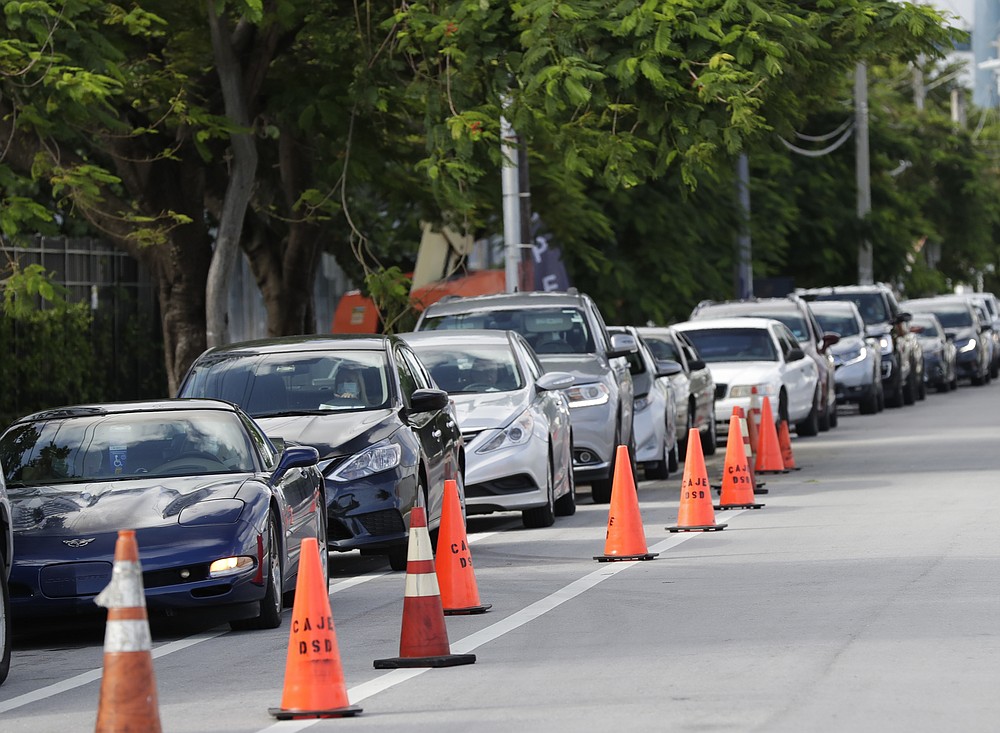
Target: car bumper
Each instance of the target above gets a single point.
(854, 382)
(369, 513)
(593, 441)
(509, 479)
(724, 411)
(935, 369)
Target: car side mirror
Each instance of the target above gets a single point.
(428, 400)
(795, 354)
(829, 339)
(295, 456)
(555, 381)
(622, 344)
(950, 336)
(667, 368)
(696, 364)
(902, 317)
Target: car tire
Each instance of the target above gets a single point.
(675, 460)
(5, 624)
(710, 442)
(398, 556)
(869, 403)
(660, 471)
(910, 390)
(565, 505)
(834, 417)
(881, 397)
(809, 426)
(896, 399)
(682, 442)
(545, 515)
(269, 616)
(823, 421)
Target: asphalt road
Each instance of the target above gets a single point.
(862, 597)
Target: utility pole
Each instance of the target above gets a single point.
(863, 170)
(744, 272)
(919, 90)
(958, 107)
(524, 207)
(511, 204)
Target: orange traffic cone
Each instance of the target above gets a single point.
(753, 420)
(423, 641)
(625, 538)
(785, 443)
(456, 578)
(314, 679)
(737, 482)
(695, 513)
(128, 686)
(768, 453)
(748, 450)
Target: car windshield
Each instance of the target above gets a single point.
(954, 317)
(796, 323)
(465, 369)
(924, 327)
(266, 385)
(840, 323)
(871, 305)
(119, 446)
(733, 344)
(548, 330)
(662, 348)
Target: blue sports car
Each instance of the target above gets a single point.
(219, 514)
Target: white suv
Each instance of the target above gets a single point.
(568, 334)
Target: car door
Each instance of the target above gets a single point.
(551, 407)
(702, 384)
(436, 431)
(799, 376)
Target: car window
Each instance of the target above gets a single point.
(548, 330)
(924, 326)
(407, 382)
(871, 305)
(662, 348)
(528, 358)
(472, 368)
(787, 340)
(954, 317)
(421, 376)
(120, 446)
(840, 323)
(268, 455)
(733, 344)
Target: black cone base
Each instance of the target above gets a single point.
(698, 528)
(758, 490)
(444, 660)
(723, 507)
(282, 714)
(467, 611)
(612, 558)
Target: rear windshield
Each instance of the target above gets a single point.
(548, 330)
(871, 305)
(954, 317)
(845, 324)
(471, 369)
(733, 344)
(924, 326)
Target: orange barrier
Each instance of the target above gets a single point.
(758, 486)
(696, 513)
(737, 481)
(456, 578)
(753, 420)
(128, 685)
(785, 444)
(423, 640)
(314, 678)
(769, 454)
(625, 538)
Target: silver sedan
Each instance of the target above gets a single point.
(514, 418)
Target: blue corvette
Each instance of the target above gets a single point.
(219, 514)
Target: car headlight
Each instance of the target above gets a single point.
(853, 356)
(230, 566)
(375, 459)
(746, 390)
(516, 433)
(968, 346)
(885, 345)
(588, 395)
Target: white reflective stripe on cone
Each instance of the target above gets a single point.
(125, 588)
(421, 585)
(127, 636)
(420, 545)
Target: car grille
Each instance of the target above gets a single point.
(387, 521)
(506, 485)
(720, 391)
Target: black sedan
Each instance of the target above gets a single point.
(387, 436)
(219, 514)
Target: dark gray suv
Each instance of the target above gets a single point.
(568, 334)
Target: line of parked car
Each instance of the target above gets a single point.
(517, 397)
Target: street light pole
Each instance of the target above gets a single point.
(863, 170)
(511, 205)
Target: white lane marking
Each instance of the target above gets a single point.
(515, 621)
(95, 674)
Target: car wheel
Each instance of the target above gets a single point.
(869, 403)
(682, 442)
(271, 604)
(881, 397)
(809, 426)
(823, 421)
(896, 398)
(543, 516)
(710, 442)
(660, 470)
(782, 407)
(397, 555)
(910, 391)
(4, 624)
(675, 460)
(565, 505)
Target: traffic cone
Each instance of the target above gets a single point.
(128, 686)
(748, 450)
(753, 420)
(625, 538)
(768, 453)
(737, 482)
(695, 513)
(423, 641)
(314, 679)
(456, 578)
(785, 444)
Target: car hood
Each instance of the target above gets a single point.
(878, 329)
(489, 410)
(584, 367)
(961, 334)
(107, 506)
(847, 344)
(334, 434)
(744, 372)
